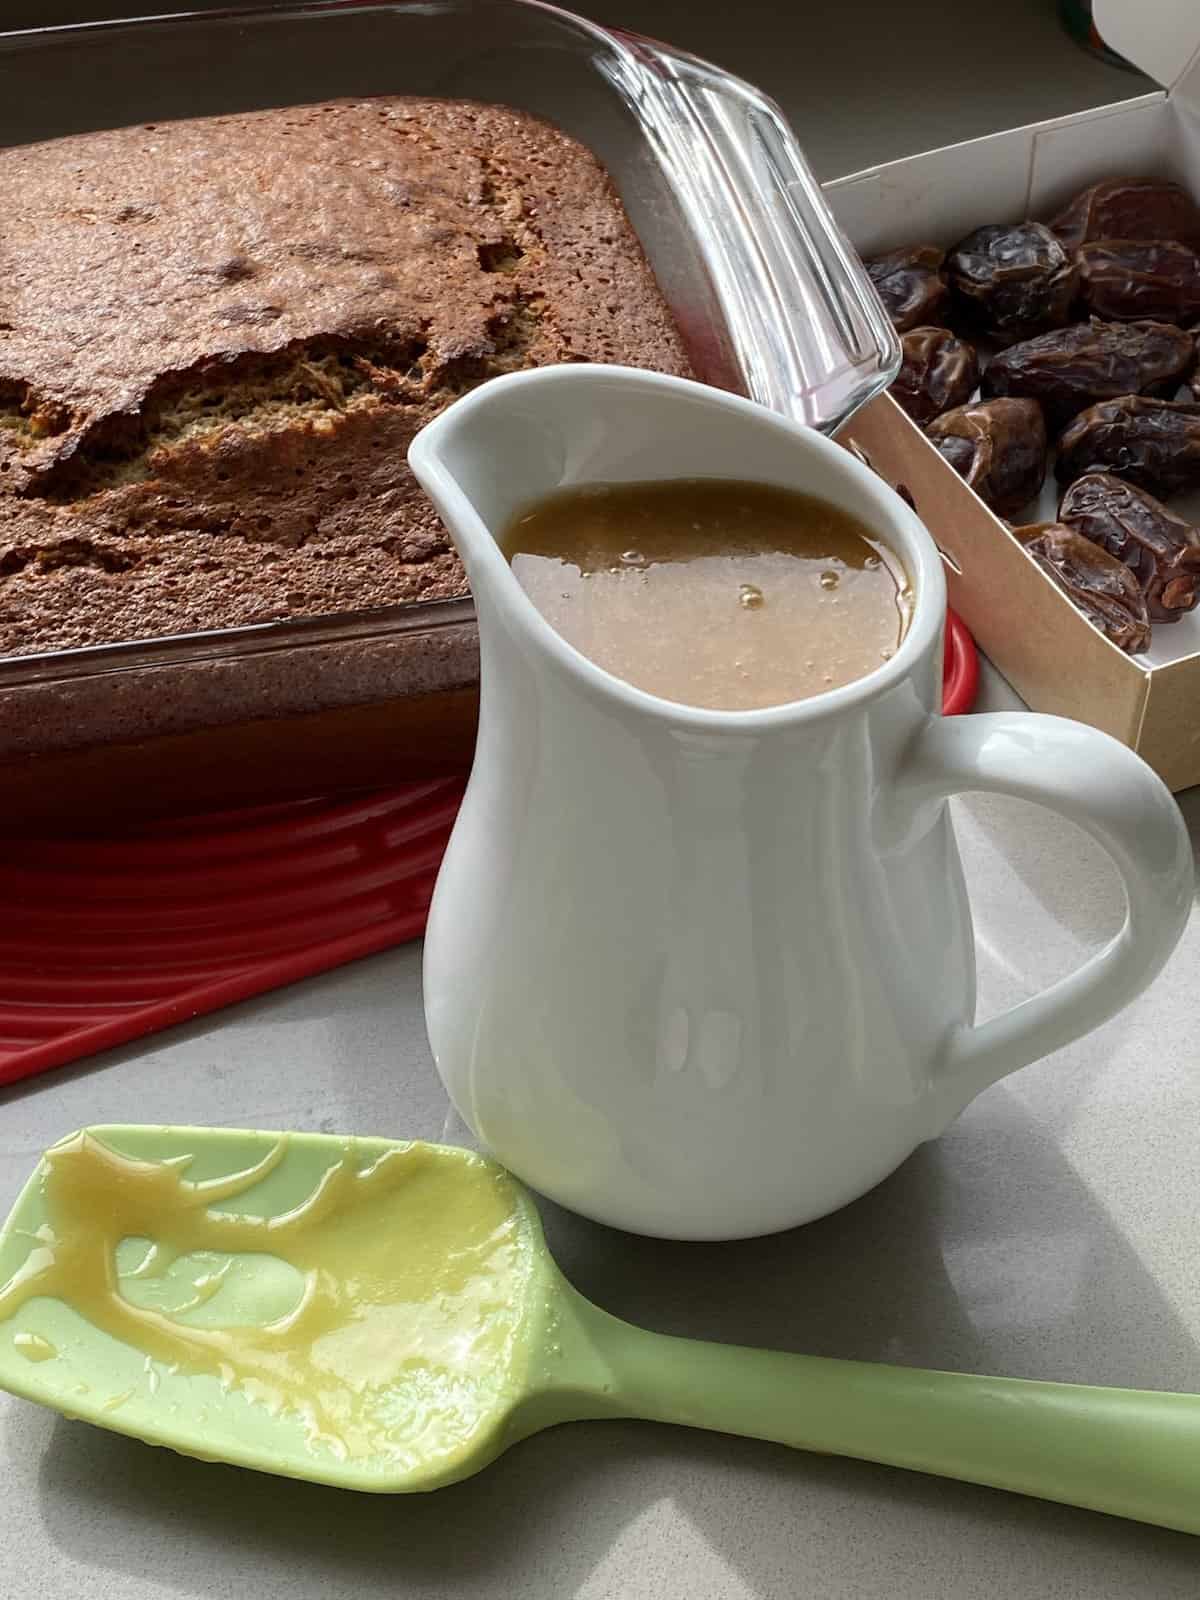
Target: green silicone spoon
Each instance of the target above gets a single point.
(387, 1317)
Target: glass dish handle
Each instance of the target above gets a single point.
(816, 343)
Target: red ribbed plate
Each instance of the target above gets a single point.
(106, 938)
(103, 939)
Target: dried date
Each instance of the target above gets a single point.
(1159, 548)
(939, 370)
(1130, 279)
(912, 285)
(998, 446)
(1070, 368)
(1153, 443)
(1129, 208)
(1012, 280)
(1098, 585)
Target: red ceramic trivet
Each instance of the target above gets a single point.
(106, 938)
(960, 683)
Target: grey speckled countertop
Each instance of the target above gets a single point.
(1050, 1233)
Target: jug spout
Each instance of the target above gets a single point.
(497, 449)
(525, 435)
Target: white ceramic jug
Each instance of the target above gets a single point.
(708, 974)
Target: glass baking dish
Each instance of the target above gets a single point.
(770, 298)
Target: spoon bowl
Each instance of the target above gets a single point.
(352, 1311)
(386, 1316)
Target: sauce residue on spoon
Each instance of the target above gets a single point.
(401, 1342)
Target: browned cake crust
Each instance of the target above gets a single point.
(218, 337)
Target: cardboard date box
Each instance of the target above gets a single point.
(1054, 658)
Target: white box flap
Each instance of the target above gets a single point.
(1162, 37)
(1022, 172)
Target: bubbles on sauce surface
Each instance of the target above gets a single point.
(639, 578)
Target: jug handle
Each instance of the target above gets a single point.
(1099, 784)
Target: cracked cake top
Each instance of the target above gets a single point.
(218, 336)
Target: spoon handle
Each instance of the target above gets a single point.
(1132, 1453)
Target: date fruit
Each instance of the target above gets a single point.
(1153, 443)
(1070, 368)
(1012, 280)
(1130, 279)
(1159, 548)
(1129, 208)
(998, 446)
(939, 370)
(912, 285)
(1099, 585)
